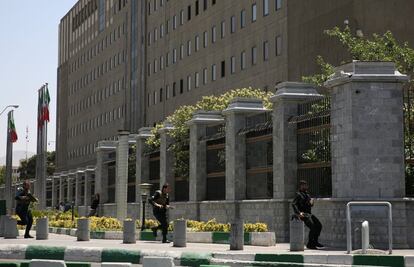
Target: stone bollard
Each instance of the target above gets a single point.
(10, 227)
(129, 232)
(297, 235)
(180, 233)
(42, 228)
(237, 235)
(116, 264)
(83, 232)
(2, 218)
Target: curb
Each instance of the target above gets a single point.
(266, 239)
(79, 254)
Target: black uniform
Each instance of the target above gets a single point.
(22, 210)
(94, 207)
(160, 213)
(302, 203)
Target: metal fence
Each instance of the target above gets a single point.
(408, 108)
(314, 146)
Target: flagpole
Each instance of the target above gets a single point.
(38, 149)
(44, 157)
(9, 163)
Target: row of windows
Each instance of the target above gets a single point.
(97, 122)
(161, 30)
(158, 96)
(87, 149)
(153, 6)
(95, 73)
(91, 53)
(98, 96)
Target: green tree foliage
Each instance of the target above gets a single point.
(378, 47)
(178, 119)
(27, 168)
(2, 174)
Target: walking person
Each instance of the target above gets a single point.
(161, 203)
(302, 206)
(23, 199)
(95, 205)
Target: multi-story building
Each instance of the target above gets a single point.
(128, 64)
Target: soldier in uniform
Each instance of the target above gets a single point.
(161, 203)
(23, 199)
(302, 206)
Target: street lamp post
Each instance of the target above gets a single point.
(9, 106)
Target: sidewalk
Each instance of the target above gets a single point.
(99, 250)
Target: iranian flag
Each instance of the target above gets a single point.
(12, 130)
(45, 107)
(40, 109)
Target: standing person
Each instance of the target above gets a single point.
(94, 206)
(302, 206)
(23, 199)
(161, 203)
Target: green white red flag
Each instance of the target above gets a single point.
(12, 130)
(43, 106)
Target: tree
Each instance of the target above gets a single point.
(27, 168)
(2, 174)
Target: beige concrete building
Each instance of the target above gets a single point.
(128, 64)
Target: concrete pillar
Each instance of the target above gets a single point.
(167, 174)
(78, 183)
(42, 228)
(55, 186)
(237, 235)
(61, 189)
(71, 185)
(88, 183)
(285, 105)
(367, 131)
(142, 161)
(235, 116)
(129, 236)
(180, 233)
(297, 235)
(10, 227)
(198, 165)
(101, 170)
(121, 183)
(83, 232)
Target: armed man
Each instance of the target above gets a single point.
(161, 203)
(23, 199)
(302, 206)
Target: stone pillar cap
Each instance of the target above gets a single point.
(168, 126)
(90, 168)
(80, 170)
(295, 91)
(366, 71)
(206, 117)
(106, 145)
(245, 105)
(123, 132)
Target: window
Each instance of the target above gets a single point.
(213, 72)
(197, 80)
(278, 45)
(223, 68)
(174, 89)
(161, 31)
(161, 62)
(182, 51)
(254, 12)
(174, 22)
(232, 24)
(149, 38)
(167, 59)
(205, 39)
(205, 76)
(205, 5)
(223, 29)
(254, 55)
(189, 83)
(149, 70)
(155, 97)
(197, 6)
(167, 95)
(155, 5)
(243, 60)
(161, 95)
(197, 43)
(189, 12)
(155, 34)
(189, 48)
(243, 18)
(155, 65)
(167, 27)
(232, 65)
(181, 86)
(213, 2)
(265, 7)
(182, 17)
(174, 56)
(161, 2)
(213, 34)
(265, 50)
(278, 4)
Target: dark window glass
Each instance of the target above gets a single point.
(223, 68)
(189, 13)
